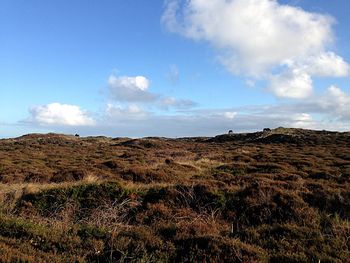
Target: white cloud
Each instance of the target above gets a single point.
(135, 90)
(60, 114)
(258, 37)
(230, 114)
(257, 33)
(327, 64)
(137, 83)
(336, 102)
(125, 112)
(331, 108)
(130, 89)
(291, 84)
(303, 120)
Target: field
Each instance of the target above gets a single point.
(282, 195)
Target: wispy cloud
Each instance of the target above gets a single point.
(171, 102)
(118, 113)
(173, 75)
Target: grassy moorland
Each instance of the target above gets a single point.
(274, 196)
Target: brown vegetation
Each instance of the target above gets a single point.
(274, 196)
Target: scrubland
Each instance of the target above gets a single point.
(276, 196)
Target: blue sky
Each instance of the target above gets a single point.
(169, 68)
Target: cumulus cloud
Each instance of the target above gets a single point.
(293, 84)
(327, 64)
(130, 89)
(333, 105)
(133, 90)
(337, 102)
(60, 114)
(258, 38)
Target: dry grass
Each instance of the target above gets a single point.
(280, 196)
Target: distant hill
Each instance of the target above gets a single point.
(287, 135)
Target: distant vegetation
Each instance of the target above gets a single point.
(282, 195)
